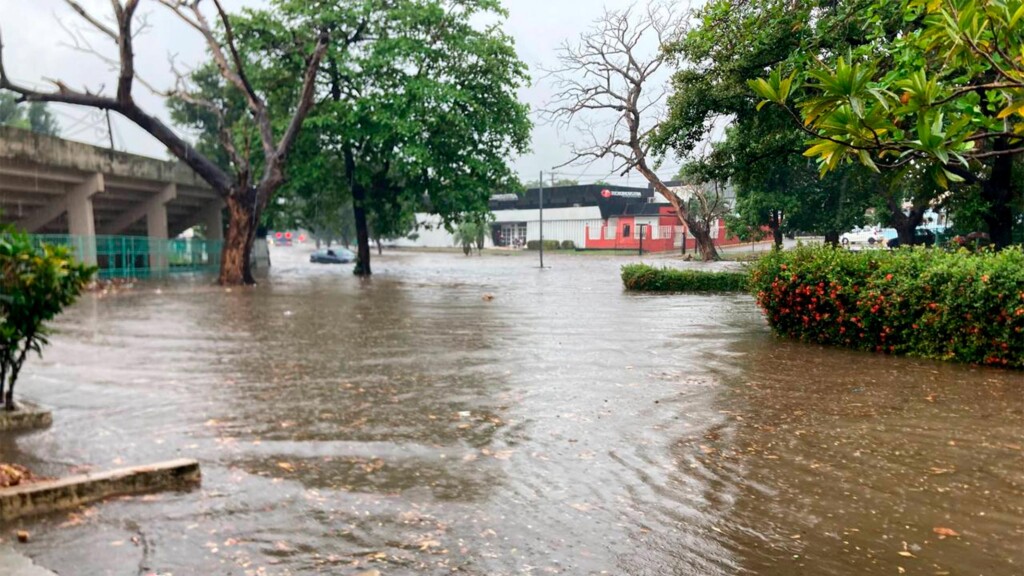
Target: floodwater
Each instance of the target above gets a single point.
(411, 425)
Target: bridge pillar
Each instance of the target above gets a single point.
(80, 216)
(213, 220)
(156, 228)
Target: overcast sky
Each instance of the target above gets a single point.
(37, 48)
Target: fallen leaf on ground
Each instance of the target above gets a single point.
(286, 466)
(945, 531)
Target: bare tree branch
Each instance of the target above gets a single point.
(89, 18)
(607, 74)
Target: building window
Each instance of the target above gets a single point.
(625, 230)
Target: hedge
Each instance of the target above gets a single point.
(644, 278)
(927, 303)
(548, 245)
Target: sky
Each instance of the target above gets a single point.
(39, 45)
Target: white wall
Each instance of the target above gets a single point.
(431, 234)
(559, 224)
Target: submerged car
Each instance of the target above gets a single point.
(332, 256)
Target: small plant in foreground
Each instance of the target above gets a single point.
(36, 283)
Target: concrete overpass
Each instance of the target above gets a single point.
(53, 186)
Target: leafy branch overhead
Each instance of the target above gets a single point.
(948, 91)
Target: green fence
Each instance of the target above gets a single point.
(140, 257)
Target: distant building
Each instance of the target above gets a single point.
(591, 217)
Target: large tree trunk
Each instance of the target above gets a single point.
(243, 218)
(701, 237)
(362, 232)
(9, 398)
(832, 238)
(998, 192)
(359, 214)
(905, 224)
(775, 225)
(703, 240)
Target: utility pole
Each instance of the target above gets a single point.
(110, 131)
(541, 180)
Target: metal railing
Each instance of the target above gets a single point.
(138, 256)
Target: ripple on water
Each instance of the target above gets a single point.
(408, 424)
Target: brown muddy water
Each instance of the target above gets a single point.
(408, 425)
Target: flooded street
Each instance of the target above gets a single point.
(411, 425)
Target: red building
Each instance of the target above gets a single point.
(594, 218)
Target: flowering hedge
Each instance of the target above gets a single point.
(644, 278)
(920, 302)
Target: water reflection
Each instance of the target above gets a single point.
(848, 463)
(408, 424)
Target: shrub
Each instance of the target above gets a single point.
(568, 245)
(548, 245)
(928, 303)
(641, 277)
(35, 285)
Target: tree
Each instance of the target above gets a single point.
(255, 174)
(760, 154)
(554, 183)
(704, 195)
(945, 95)
(36, 117)
(36, 284)
(607, 77)
(420, 118)
(471, 233)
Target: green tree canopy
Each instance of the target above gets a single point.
(421, 116)
(943, 94)
(34, 116)
(760, 152)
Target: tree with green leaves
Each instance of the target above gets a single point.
(760, 154)
(256, 155)
(944, 95)
(36, 284)
(35, 117)
(422, 117)
(471, 233)
(553, 183)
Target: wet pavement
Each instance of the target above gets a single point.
(412, 425)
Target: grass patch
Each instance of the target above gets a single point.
(644, 278)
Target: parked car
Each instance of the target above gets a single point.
(866, 237)
(922, 237)
(332, 256)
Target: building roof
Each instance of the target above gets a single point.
(612, 200)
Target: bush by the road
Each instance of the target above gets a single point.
(36, 284)
(548, 245)
(928, 303)
(644, 278)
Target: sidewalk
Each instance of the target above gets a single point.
(14, 564)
